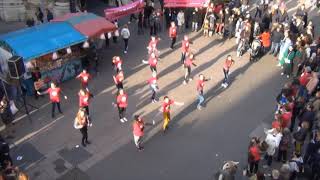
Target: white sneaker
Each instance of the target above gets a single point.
(121, 120)
(288, 76)
(125, 119)
(281, 67)
(190, 79)
(125, 52)
(199, 107)
(282, 74)
(184, 82)
(278, 64)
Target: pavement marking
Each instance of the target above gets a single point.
(25, 115)
(31, 135)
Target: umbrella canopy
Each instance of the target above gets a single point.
(88, 24)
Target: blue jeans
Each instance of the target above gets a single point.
(274, 48)
(200, 98)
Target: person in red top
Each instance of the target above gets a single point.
(122, 103)
(152, 61)
(117, 63)
(285, 117)
(84, 77)
(266, 41)
(154, 86)
(152, 46)
(200, 86)
(166, 111)
(305, 77)
(254, 156)
(54, 94)
(173, 34)
(187, 66)
(184, 48)
(138, 131)
(226, 67)
(118, 80)
(84, 97)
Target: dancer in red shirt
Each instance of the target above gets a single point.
(117, 63)
(187, 66)
(118, 80)
(173, 34)
(84, 77)
(153, 61)
(152, 46)
(54, 94)
(200, 86)
(122, 103)
(138, 131)
(166, 111)
(84, 97)
(226, 67)
(154, 86)
(184, 48)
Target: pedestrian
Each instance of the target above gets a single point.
(152, 61)
(54, 94)
(118, 80)
(200, 86)
(244, 40)
(265, 38)
(184, 49)
(7, 118)
(206, 28)
(285, 43)
(84, 98)
(36, 76)
(226, 68)
(287, 60)
(276, 37)
(152, 23)
(195, 19)
(273, 139)
(39, 15)
(153, 86)
(284, 146)
(125, 33)
(181, 20)
(140, 23)
(84, 78)
(152, 46)
(254, 156)
(296, 166)
(138, 131)
(132, 17)
(122, 103)
(173, 34)
(30, 21)
(212, 19)
(49, 15)
(239, 29)
(115, 34)
(300, 136)
(117, 63)
(187, 66)
(82, 122)
(167, 102)
(158, 20)
(220, 23)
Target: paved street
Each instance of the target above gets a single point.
(196, 144)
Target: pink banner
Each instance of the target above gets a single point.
(118, 12)
(184, 3)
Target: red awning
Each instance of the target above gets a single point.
(184, 3)
(118, 12)
(88, 24)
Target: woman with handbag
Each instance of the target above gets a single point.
(82, 122)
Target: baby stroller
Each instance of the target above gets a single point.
(255, 50)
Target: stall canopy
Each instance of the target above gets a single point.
(88, 24)
(40, 40)
(118, 12)
(184, 3)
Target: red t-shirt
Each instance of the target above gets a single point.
(138, 128)
(227, 64)
(166, 106)
(119, 78)
(200, 85)
(173, 32)
(276, 124)
(84, 77)
(117, 62)
(153, 44)
(286, 119)
(54, 94)
(122, 100)
(265, 38)
(305, 78)
(84, 100)
(188, 62)
(152, 80)
(153, 62)
(254, 151)
(185, 46)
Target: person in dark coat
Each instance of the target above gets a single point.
(36, 75)
(49, 15)
(276, 37)
(303, 14)
(152, 23)
(257, 14)
(39, 15)
(30, 22)
(140, 23)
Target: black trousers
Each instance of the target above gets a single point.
(153, 30)
(54, 108)
(253, 167)
(187, 75)
(122, 112)
(282, 155)
(226, 75)
(84, 132)
(126, 41)
(153, 96)
(87, 109)
(183, 57)
(153, 68)
(173, 41)
(119, 86)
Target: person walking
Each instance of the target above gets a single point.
(118, 80)
(153, 86)
(117, 63)
(173, 34)
(152, 46)
(84, 98)
(39, 15)
(166, 106)
(140, 23)
(194, 19)
(49, 15)
(184, 49)
(187, 66)
(276, 37)
(122, 103)
(181, 20)
(82, 122)
(138, 131)
(84, 78)
(226, 68)
(54, 94)
(125, 33)
(200, 86)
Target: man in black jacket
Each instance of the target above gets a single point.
(276, 37)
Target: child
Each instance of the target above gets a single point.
(206, 28)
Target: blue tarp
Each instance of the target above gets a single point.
(43, 39)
